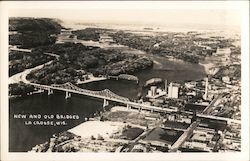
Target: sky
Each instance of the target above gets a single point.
(146, 16)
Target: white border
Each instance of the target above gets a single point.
(242, 6)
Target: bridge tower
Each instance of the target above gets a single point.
(50, 91)
(105, 103)
(68, 95)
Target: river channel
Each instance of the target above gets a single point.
(23, 136)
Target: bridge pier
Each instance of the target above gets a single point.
(41, 90)
(50, 91)
(128, 107)
(68, 95)
(139, 108)
(105, 103)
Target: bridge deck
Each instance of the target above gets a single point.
(108, 95)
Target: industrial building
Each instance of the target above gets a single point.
(173, 90)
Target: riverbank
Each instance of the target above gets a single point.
(113, 122)
(104, 129)
(207, 67)
(85, 107)
(91, 78)
(98, 135)
(21, 77)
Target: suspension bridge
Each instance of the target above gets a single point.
(108, 95)
(70, 88)
(105, 94)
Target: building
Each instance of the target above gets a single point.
(206, 89)
(155, 92)
(149, 94)
(152, 92)
(196, 145)
(223, 51)
(104, 38)
(226, 79)
(184, 120)
(173, 90)
(190, 84)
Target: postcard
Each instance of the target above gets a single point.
(125, 80)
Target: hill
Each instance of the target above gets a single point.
(33, 32)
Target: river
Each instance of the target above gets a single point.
(23, 137)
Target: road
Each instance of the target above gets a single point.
(21, 77)
(184, 136)
(19, 49)
(143, 135)
(208, 109)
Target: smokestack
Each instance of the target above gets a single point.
(170, 89)
(166, 85)
(206, 88)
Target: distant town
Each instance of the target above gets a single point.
(154, 91)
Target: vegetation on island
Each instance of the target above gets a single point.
(76, 59)
(177, 45)
(33, 32)
(231, 71)
(89, 34)
(20, 89)
(19, 60)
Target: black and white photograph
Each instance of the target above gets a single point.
(126, 79)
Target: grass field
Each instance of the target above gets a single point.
(131, 133)
(164, 135)
(128, 117)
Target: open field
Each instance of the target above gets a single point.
(121, 114)
(97, 128)
(131, 133)
(165, 136)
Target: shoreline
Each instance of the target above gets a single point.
(92, 78)
(94, 129)
(21, 77)
(207, 67)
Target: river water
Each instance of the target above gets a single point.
(23, 135)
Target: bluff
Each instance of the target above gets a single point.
(33, 32)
